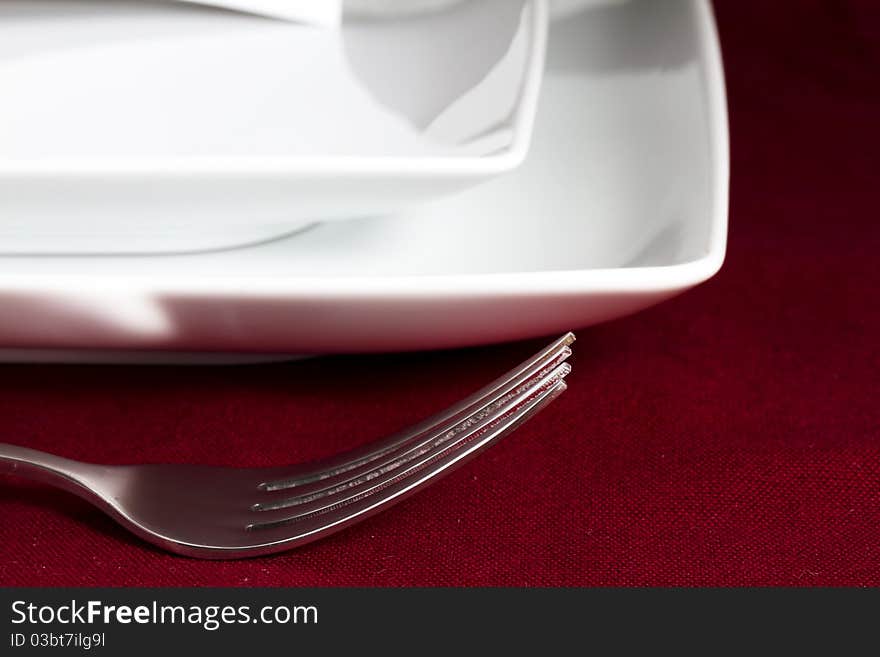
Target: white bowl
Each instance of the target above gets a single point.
(144, 126)
(621, 203)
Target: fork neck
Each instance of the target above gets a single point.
(46, 468)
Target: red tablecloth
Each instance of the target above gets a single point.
(730, 436)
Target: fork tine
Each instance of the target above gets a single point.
(314, 482)
(340, 465)
(317, 525)
(409, 471)
(407, 451)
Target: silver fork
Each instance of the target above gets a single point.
(225, 513)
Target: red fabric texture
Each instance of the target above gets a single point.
(730, 436)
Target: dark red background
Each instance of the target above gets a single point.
(730, 436)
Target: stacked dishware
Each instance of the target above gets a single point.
(260, 178)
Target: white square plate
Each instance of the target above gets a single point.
(132, 126)
(621, 203)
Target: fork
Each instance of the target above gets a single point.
(225, 513)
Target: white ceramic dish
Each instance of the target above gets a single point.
(621, 203)
(147, 126)
(323, 13)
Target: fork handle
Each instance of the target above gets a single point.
(47, 468)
